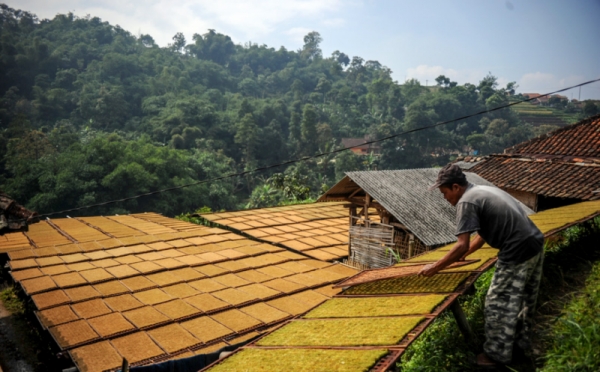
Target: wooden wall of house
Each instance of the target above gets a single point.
(528, 198)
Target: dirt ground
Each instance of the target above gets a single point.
(15, 350)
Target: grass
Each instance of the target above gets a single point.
(11, 301)
(567, 331)
(576, 333)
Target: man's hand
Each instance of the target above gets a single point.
(459, 250)
(429, 270)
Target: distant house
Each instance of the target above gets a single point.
(558, 168)
(359, 146)
(537, 99)
(411, 218)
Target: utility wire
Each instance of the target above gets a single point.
(260, 169)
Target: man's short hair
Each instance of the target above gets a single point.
(448, 176)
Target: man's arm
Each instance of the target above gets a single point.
(460, 249)
(476, 243)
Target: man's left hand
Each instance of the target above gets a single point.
(428, 270)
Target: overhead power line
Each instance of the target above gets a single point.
(289, 162)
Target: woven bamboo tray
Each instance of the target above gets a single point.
(260, 291)
(152, 296)
(311, 298)
(147, 267)
(110, 325)
(73, 334)
(55, 316)
(207, 303)
(38, 285)
(54, 270)
(111, 288)
(26, 274)
(298, 360)
(177, 309)
(265, 313)
(181, 290)
(138, 283)
(96, 275)
(374, 275)
(145, 317)
(95, 357)
(211, 270)
(137, 347)
(83, 293)
(122, 271)
(206, 285)
(173, 338)
(206, 329)
(439, 283)
(237, 321)
(50, 299)
(289, 305)
(234, 296)
(123, 303)
(376, 306)
(344, 332)
(284, 286)
(254, 276)
(165, 278)
(90, 309)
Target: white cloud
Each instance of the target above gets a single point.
(334, 22)
(539, 82)
(243, 20)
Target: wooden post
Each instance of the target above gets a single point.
(461, 321)
(350, 224)
(367, 204)
(125, 366)
(411, 245)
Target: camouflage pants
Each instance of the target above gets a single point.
(510, 299)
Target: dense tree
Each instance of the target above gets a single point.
(90, 112)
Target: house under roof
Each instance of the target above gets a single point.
(558, 168)
(404, 194)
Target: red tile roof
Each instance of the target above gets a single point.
(581, 140)
(545, 177)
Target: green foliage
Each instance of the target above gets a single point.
(11, 301)
(577, 331)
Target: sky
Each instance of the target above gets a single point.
(543, 45)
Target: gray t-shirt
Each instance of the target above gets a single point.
(500, 221)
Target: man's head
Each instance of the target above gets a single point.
(452, 183)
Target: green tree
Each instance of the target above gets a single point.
(309, 128)
(247, 137)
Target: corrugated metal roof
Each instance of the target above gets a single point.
(404, 194)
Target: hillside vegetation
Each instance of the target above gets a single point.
(90, 112)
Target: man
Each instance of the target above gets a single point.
(498, 220)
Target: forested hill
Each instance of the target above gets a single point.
(90, 112)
